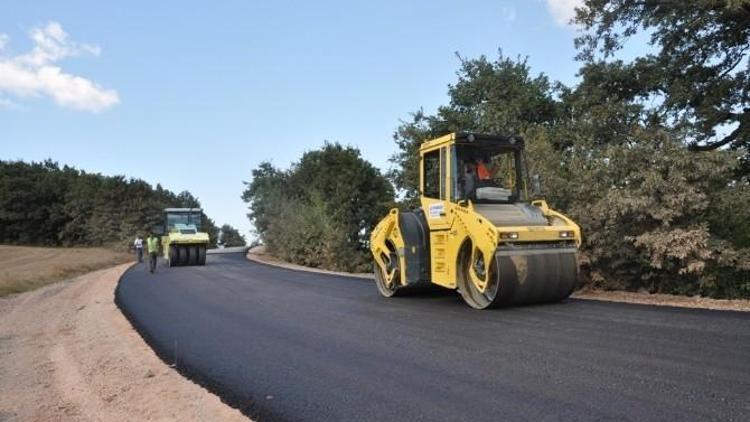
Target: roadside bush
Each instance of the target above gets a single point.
(319, 213)
(645, 213)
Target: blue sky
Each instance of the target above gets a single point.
(194, 96)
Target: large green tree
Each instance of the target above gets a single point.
(696, 79)
(350, 185)
(265, 195)
(320, 211)
(231, 237)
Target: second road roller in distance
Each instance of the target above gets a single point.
(183, 243)
(477, 230)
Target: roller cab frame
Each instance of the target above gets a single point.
(477, 231)
(183, 242)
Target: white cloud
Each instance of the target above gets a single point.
(37, 74)
(563, 10)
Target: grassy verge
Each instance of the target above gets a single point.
(24, 268)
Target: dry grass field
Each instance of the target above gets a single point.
(25, 268)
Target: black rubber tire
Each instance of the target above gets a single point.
(182, 255)
(383, 288)
(192, 255)
(172, 256)
(471, 295)
(202, 255)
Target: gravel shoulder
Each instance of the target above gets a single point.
(259, 254)
(67, 353)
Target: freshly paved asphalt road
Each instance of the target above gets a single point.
(286, 345)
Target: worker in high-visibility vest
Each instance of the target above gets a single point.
(483, 173)
(152, 243)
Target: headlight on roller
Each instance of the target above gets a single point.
(509, 236)
(566, 235)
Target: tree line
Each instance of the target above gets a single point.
(230, 237)
(649, 156)
(46, 204)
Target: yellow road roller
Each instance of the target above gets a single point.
(478, 230)
(183, 243)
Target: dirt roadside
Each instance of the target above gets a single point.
(67, 353)
(259, 254)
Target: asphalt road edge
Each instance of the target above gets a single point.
(258, 254)
(243, 404)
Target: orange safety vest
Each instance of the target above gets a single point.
(482, 172)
